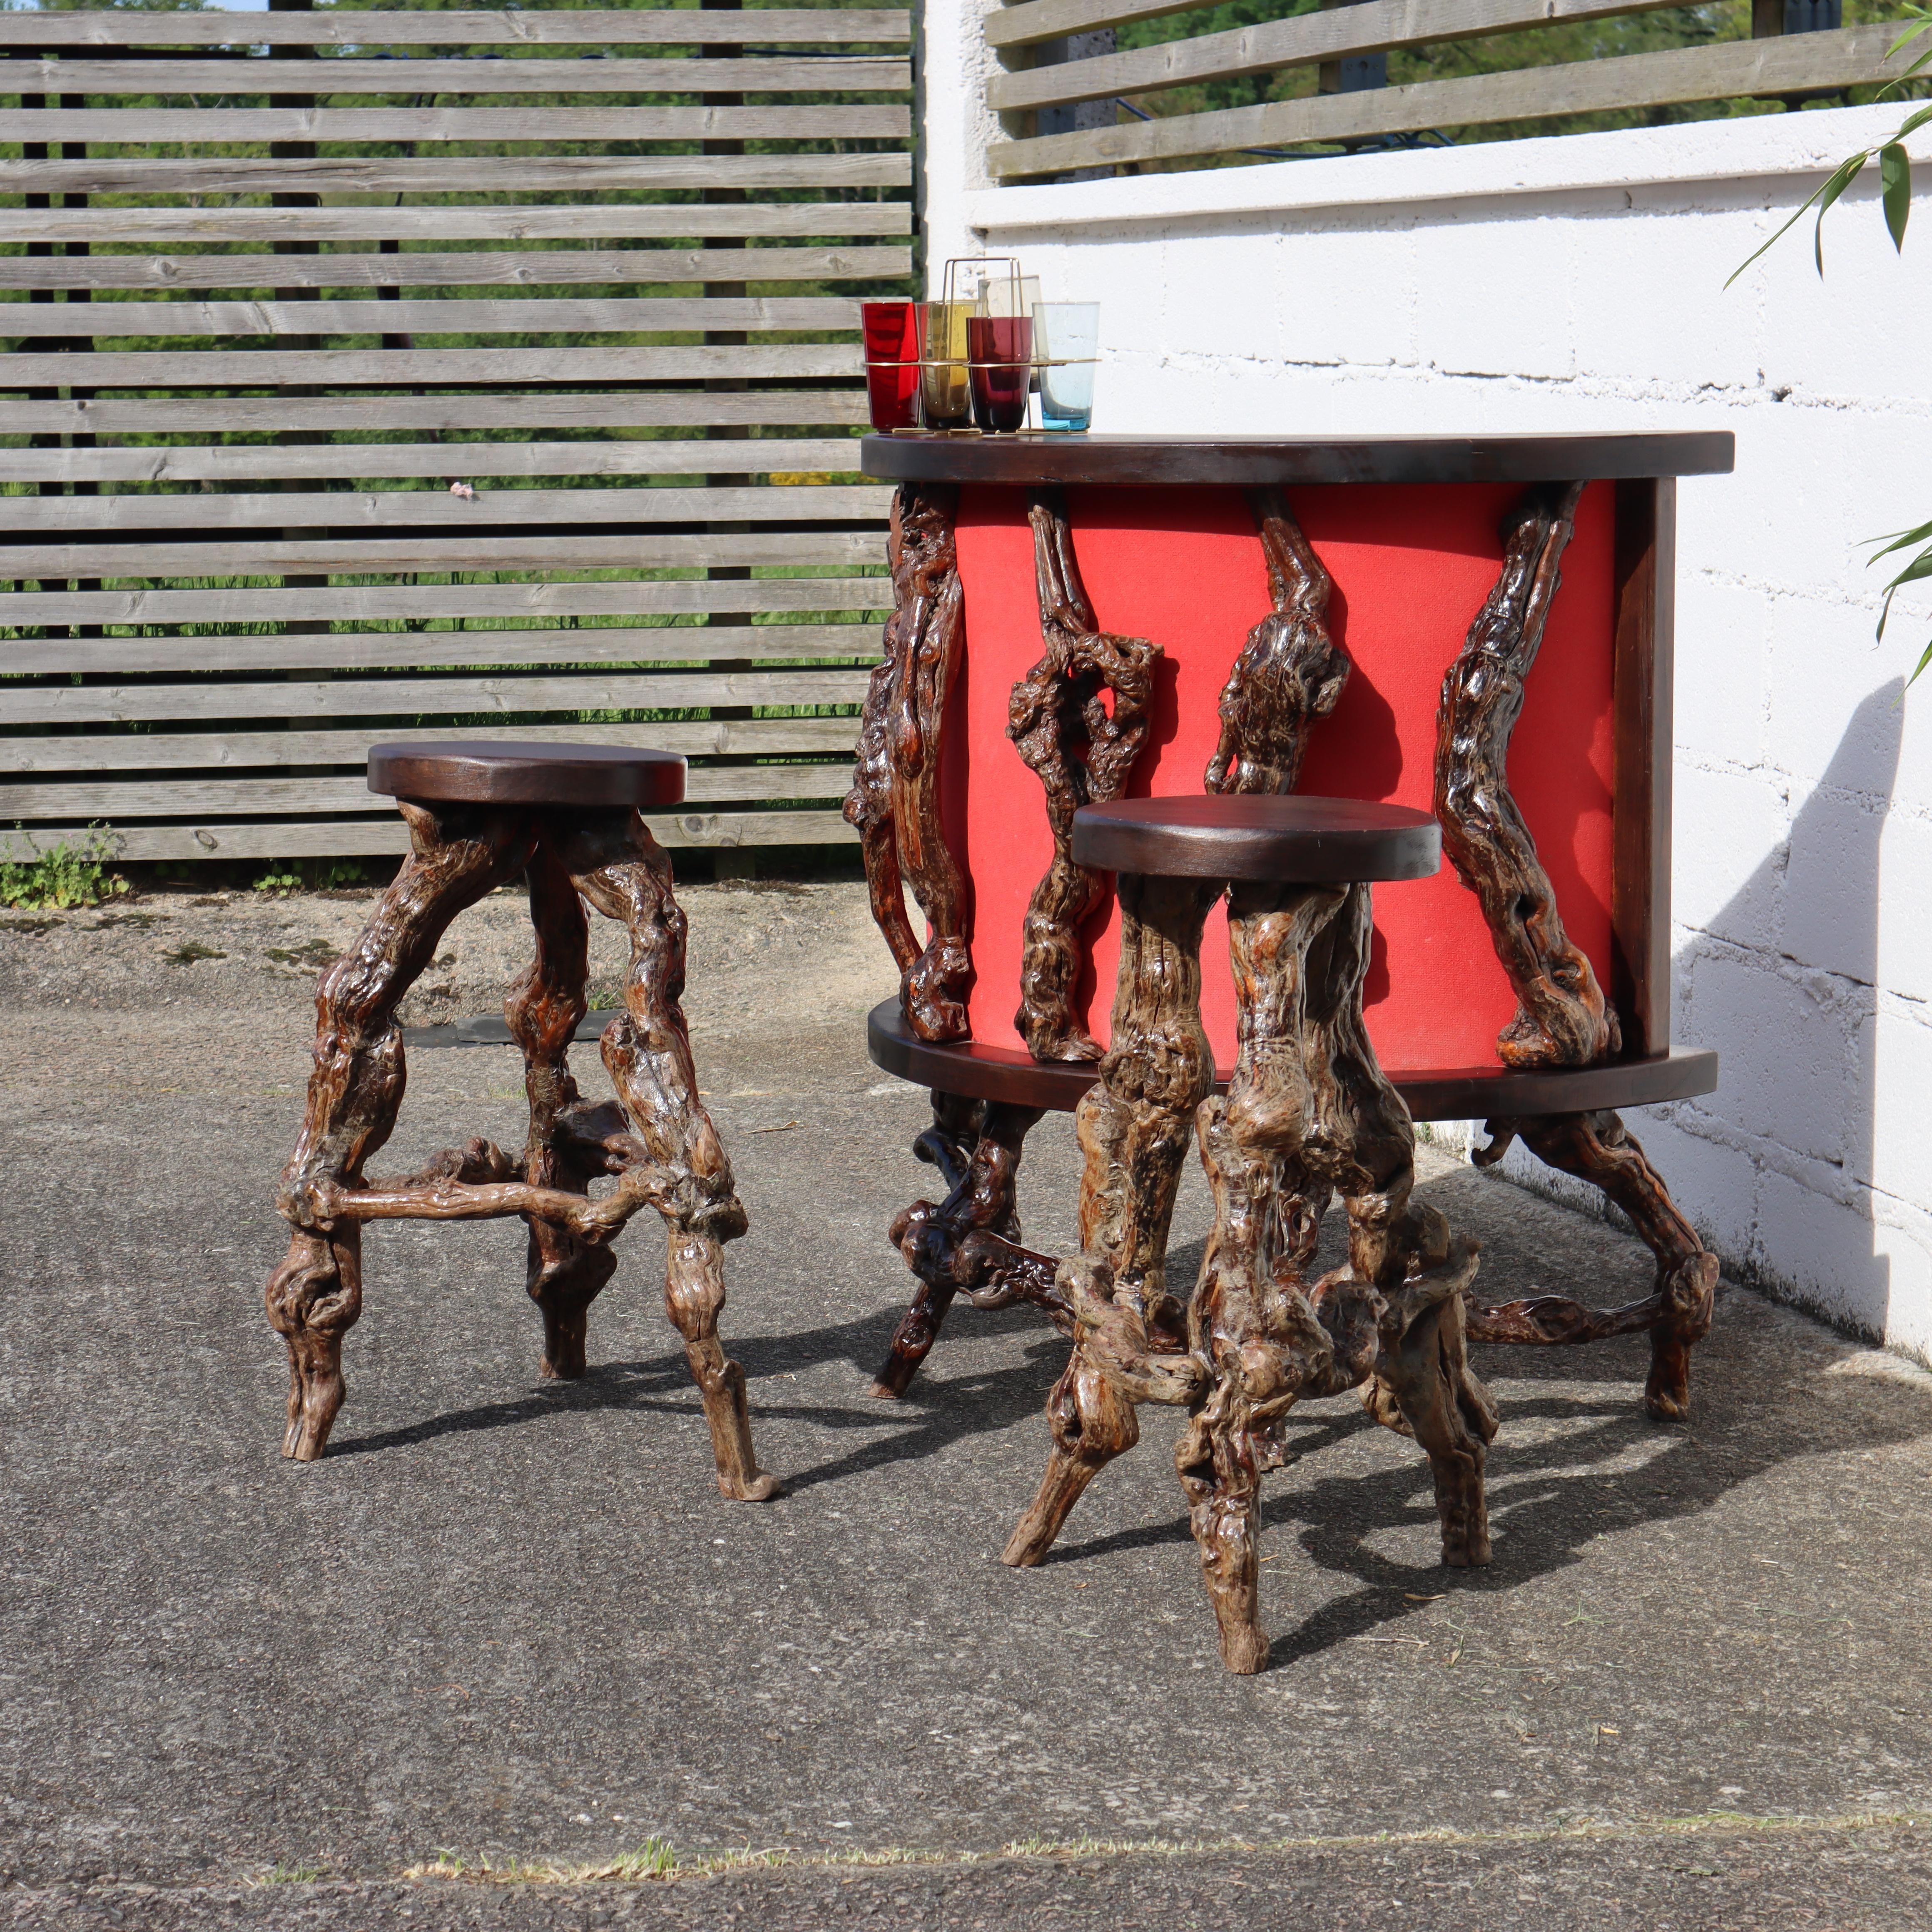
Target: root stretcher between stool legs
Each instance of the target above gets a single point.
(657, 1141)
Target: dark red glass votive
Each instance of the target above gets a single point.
(999, 354)
(891, 363)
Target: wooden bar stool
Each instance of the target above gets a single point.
(1308, 1115)
(566, 817)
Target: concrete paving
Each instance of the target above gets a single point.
(510, 1624)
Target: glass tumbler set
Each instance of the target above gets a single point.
(971, 363)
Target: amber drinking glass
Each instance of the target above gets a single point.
(1000, 352)
(945, 397)
(892, 363)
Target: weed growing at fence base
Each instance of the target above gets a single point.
(63, 875)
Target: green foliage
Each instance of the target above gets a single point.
(63, 875)
(1895, 201)
(313, 875)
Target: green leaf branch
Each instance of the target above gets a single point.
(1894, 174)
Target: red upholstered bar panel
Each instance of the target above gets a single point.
(1412, 564)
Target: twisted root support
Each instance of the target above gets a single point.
(1598, 1147)
(1562, 1018)
(658, 1142)
(1090, 1412)
(456, 856)
(1289, 672)
(894, 803)
(623, 872)
(1308, 1112)
(1084, 752)
(566, 1271)
(938, 1242)
(1133, 1127)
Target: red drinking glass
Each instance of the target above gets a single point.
(999, 356)
(891, 363)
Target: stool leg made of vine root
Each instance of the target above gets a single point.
(457, 854)
(1363, 1145)
(1309, 1110)
(566, 1273)
(623, 872)
(1134, 1127)
(982, 1198)
(1598, 1147)
(1261, 1340)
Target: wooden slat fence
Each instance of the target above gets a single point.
(269, 306)
(1774, 65)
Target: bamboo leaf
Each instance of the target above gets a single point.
(1896, 540)
(1913, 122)
(1905, 40)
(1894, 171)
(1927, 659)
(1848, 171)
(1856, 162)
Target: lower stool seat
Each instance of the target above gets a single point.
(486, 772)
(1295, 840)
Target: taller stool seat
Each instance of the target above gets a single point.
(566, 818)
(1307, 1115)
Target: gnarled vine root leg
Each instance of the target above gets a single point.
(621, 869)
(457, 854)
(932, 1239)
(313, 1299)
(566, 1273)
(1221, 1477)
(1092, 1422)
(1598, 1147)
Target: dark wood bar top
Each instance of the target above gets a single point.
(1245, 461)
(982, 1072)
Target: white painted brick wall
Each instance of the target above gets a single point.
(1574, 284)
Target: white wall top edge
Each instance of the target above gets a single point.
(1813, 142)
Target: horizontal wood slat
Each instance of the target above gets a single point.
(369, 838)
(655, 315)
(194, 127)
(402, 27)
(1338, 33)
(182, 463)
(1385, 23)
(406, 697)
(603, 220)
(1792, 64)
(386, 603)
(398, 650)
(342, 511)
(201, 750)
(255, 690)
(240, 798)
(345, 75)
(357, 554)
(124, 415)
(267, 368)
(558, 267)
(467, 174)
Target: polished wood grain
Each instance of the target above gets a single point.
(1035, 457)
(494, 772)
(1259, 835)
(978, 1070)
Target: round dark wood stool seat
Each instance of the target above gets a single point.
(473, 772)
(1295, 840)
